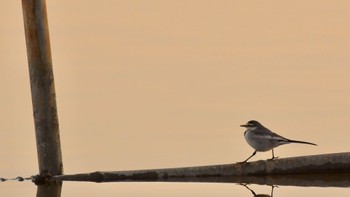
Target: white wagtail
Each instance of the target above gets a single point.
(262, 139)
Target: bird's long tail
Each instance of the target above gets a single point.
(301, 142)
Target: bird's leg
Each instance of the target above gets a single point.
(273, 187)
(245, 185)
(273, 156)
(248, 157)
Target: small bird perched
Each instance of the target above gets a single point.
(262, 139)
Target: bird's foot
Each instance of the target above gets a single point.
(243, 184)
(274, 186)
(273, 158)
(242, 162)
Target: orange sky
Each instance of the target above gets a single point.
(148, 84)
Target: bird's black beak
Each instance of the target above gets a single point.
(244, 125)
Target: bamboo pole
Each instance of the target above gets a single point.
(255, 172)
(53, 190)
(42, 87)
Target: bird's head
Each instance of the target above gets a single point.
(251, 124)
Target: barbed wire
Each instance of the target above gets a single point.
(19, 178)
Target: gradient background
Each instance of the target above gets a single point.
(153, 84)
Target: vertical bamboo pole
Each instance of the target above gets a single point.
(42, 87)
(53, 190)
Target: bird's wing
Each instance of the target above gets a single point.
(269, 135)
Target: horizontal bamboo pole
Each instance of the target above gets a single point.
(246, 172)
